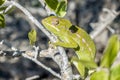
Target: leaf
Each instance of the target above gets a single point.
(52, 4)
(2, 21)
(1, 2)
(61, 9)
(32, 36)
(3, 8)
(100, 75)
(110, 52)
(115, 72)
(119, 45)
(58, 7)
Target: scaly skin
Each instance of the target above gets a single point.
(71, 36)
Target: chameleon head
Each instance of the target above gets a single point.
(55, 24)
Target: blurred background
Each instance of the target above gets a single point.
(80, 12)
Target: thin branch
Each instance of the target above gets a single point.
(33, 19)
(27, 54)
(42, 65)
(33, 77)
(42, 2)
(66, 70)
(23, 53)
(104, 21)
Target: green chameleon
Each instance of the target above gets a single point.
(71, 36)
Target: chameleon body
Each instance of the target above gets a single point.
(71, 36)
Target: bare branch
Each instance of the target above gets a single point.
(33, 19)
(105, 20)
(42, 65)
(30, 55)
(25, 54)
(33, 77)
(66, 70)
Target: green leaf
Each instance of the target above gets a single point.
(32, 36)
(58, 7)
(1, 2)
(2, 21)
(100, 75)
(110, 52)
(52, 4)
(61, 9)
(3, 8)
(119, 44)
(115, 72)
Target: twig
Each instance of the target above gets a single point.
(32, 78)
(36, 50)
(66, 70)
(33, 19)
(27, 54)
(76, 77)
(42, 65)
(104, 21)
(24, 54)
(44, 53)
(110, 29)
(42, 2)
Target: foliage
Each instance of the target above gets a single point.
(83, 46)
(59, 7)
(1, 2)
(107, 71)
(110, 52)
(4, 10)
(32, 36)
(2, 21)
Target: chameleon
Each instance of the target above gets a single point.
(71, 36)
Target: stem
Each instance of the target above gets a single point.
(66, 70)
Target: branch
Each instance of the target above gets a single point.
(33, 19)
(30, 55)
(42, 65)
(105, 19)
(24, 54)
(33, 77)
(66, 70)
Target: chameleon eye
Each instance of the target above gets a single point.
(55, 21)
(73, 29)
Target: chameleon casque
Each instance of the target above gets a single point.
(71, 36)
